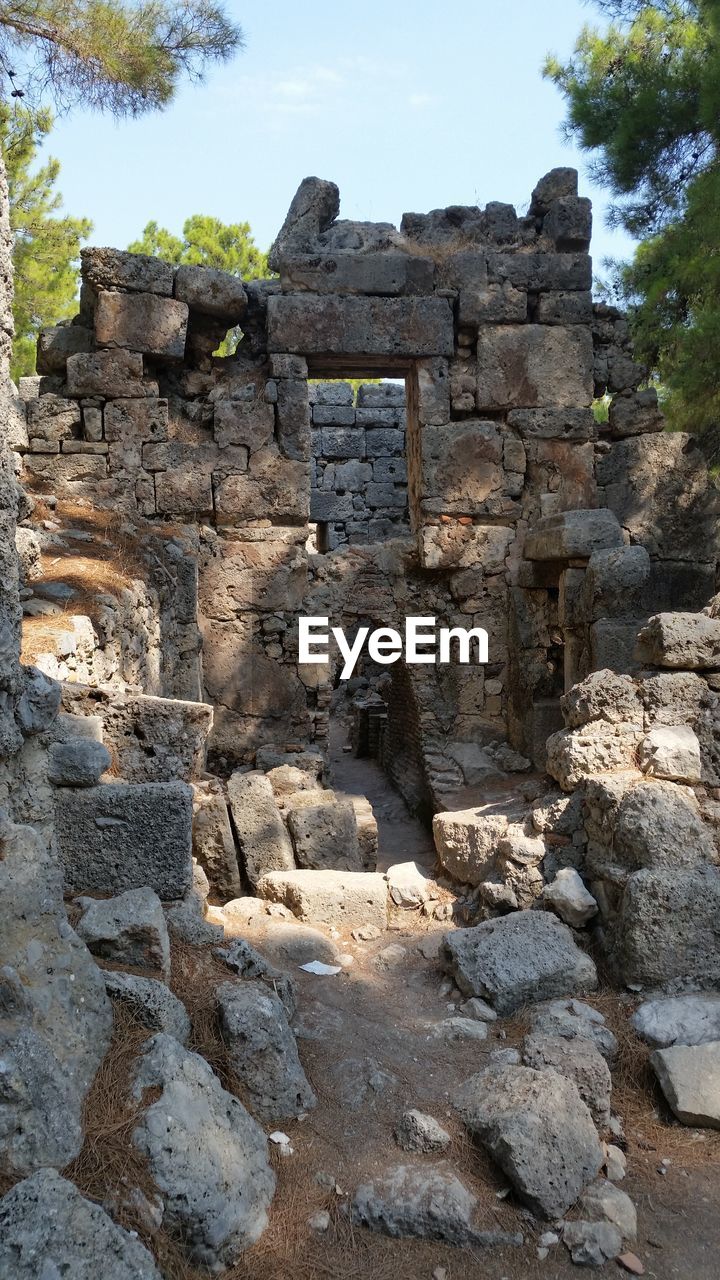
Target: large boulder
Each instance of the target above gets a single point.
(55, 1018)
(262, 1051)
(466, 840)
(673, 752)
(668, 928)
(48, 1230)
(685, 641)
(689, 1077)
(688, 1019)
(205, 1153)
(518, 959)
(341, 899)
(603, 695)
(324, 833)
(538, 1129)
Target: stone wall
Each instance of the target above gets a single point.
(523, 510)
(359, 479)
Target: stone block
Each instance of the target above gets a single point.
(211, 292)
(668, 928)
(613, 644)
(69, 469)
(56, 344)
(128, 929)
(52, 418)
(106, 373)
(387, 273)
(569, 222)
(671, 752)
(390, 395)
(689, 1076)
(565, 308)
(684, 641)
(461, 546)
(325, 835)
(142, 322)
(262, 1052)
(462, 467)
(214, 845)
(183, 493)
(293, 418)
(176, 730)
(326, 505)
(340, 899)
(383, 443)
(555, 185)
(276, 489)
(264, 843)
(336, 392)
(137, 272)
(534, 366)
(333, 415)
(248, 422)
(554, 424)
(343, 442)
(573, 535)
(360, 326)
(558, 272)
(635, 413)
(118, 836)
(132, 421)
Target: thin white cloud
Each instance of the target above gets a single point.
(420, 100)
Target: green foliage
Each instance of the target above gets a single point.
(208, 242)
(46, 247)
(112, 55)
(644, 97)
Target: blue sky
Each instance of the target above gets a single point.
(407, 106)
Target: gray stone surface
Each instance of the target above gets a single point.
(568, 897)
(262, 1051)
(325, 836)
(205, 1153)
(142, 322)
(360, 326)
(591, 1244)
(117, 836)
(214, 844)
(429, 1203)
(151, 1003)
(690, 641)
(571, 535)
(572, 1018)
(342, 899)
(604, 1202)
(247, 962)
(264, 843)
(689, 1076)
(668, 928)
(578, 1060)
(39, 701)
(518, 959)
(129, 929)
(687, 1019)
(419, 1132)
(115, 269)
(55, 1018)
(77, 763)
(49, 1230)
(211, 292)
(538, 1129)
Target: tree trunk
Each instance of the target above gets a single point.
(10, 611)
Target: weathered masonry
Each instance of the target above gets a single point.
(494, 498)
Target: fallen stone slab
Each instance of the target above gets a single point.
(419, 1132)
(118, 836)
(150, 1003)
(48, 1230)
(429, 1203)
(537, 1128)
(578, 1060)
(684, 641)
(572, 1018)
(214, 844)
(325, 835)
(342, 899)
(129, 929)
(262, 1051)
(518, 959)
(689, 1019)
(56, 1021)
(205, 1153)
(264, 842)
(689, 1076)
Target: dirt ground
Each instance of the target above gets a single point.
(378, 1018)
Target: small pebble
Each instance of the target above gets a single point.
(319, 1221)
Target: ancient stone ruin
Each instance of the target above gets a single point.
(409, 428)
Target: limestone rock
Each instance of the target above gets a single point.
(142, 322)
(687, 1019)
(518, 959)
(262, 1051)
(325, 836)
(690, 641)
(576, 754)
(39, 702)
(429, 1203)
(603, 695)
(580, 1061)
(129, 929)
(206, 1155)
(264, 842)
(658, 824)
(117, 269)
(211, 292)
(419, 1132)
(342, 899)
(151, 823)
(572, 1018)
(591, 1244)
(568, 896)
(56, 1019)
(77, 763)
(48, 1230)
(538, 1129)
(409, 885)
(689, 1077)
(466, 840)
(214, 844)
(151, 1003)
(673, 752)
(604, 1202)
